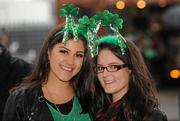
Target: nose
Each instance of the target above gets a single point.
(70, 60)
(106, 73)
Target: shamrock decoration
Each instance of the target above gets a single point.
(86, 23)
(69, 9)
(89, 25)
(114, 22)
(108, 18)
(99, 16)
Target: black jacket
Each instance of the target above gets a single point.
(26, 105)
(11, 71)
(116, 112)
(156, 115)
(29, 104)
(12, 68)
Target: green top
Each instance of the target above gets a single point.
(73, 115)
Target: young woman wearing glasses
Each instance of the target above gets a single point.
(124, 89)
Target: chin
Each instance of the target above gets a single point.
(65, 79)
(109, 91)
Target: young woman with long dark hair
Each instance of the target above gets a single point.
(57, 88)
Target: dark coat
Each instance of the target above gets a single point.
(27, 105)
(12, 70)
(156, 115)
(116, 113)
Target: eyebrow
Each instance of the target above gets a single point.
(112, 63)
(64, 48)
(80, 52)
(69, 49)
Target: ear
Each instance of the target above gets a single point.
(130, 71)
(48, 54)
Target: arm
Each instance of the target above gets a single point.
(12, 68)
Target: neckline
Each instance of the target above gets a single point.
(74, 107)
(48, 97)
(66, 103)
(57, 115)
(64, 108)
(116, 104)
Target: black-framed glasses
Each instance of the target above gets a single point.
(110, 68)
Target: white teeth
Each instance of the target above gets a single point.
(108, 81)
(67, 68)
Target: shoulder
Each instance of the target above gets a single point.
(156, 115)
(16, 96)
(15, 100)
(19, 102)
(22, 93)
(22, 96)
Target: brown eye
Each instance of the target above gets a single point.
(99, 68)
(113, 67)
(79, 55)
(63, 51)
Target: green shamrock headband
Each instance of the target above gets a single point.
(90, 26)
(69, 11)
(114, 22)
(113, 40)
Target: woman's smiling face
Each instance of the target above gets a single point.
(117, 82)
(66, 60)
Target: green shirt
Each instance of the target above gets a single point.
(73, 115)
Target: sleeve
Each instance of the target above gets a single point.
(4, 56)
(18, 69)
(156, 115)
(12, 68)
(13, 110)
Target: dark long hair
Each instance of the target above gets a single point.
(140, 98)
(79, 81)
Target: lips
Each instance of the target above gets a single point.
(108, 81)
(69, 69)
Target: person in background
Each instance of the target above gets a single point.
(12, 70)
(56, 90)
(5, 38)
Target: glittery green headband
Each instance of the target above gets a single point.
(70, 11)
(114, 22)
(112, 40)
(90, 26)
(85, 27)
